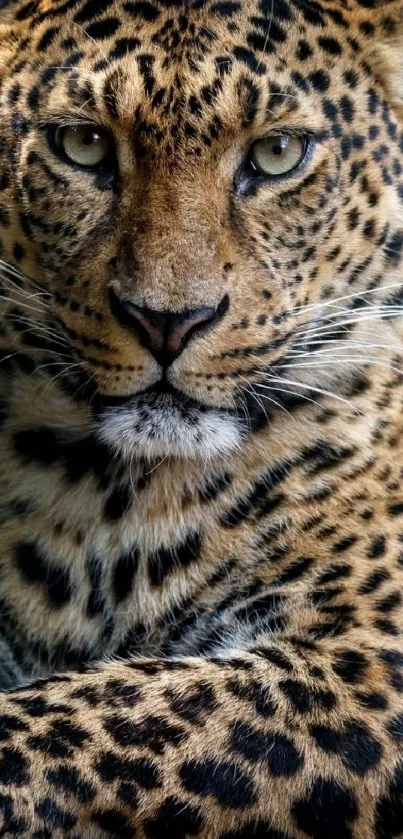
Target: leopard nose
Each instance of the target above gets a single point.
(166, 334)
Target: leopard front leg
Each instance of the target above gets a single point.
(290, 740)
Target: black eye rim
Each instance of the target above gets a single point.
(54, 135)
(249, 178)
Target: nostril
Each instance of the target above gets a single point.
(121, 309)
(193, 322)
(132, 317)
(222, 307)
(164, 333)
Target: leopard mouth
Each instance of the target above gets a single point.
(162, 421)
(159, 395)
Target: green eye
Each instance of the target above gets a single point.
(86, 145)
(278, 155)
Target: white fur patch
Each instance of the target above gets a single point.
(167, 429)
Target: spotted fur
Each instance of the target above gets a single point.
(201, 607)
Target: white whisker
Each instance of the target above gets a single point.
(357, 360)
(292, 393)
(254, 395)
(313, 388)
(356, 295)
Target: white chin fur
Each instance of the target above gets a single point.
(165, 432)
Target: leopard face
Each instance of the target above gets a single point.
(191, 189)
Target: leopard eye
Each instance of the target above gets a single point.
(85, 145)
(278, 154)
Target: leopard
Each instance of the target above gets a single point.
(201, 393)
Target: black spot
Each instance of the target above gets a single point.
(278, 8)
(377, 547)
(347, 109)
(14, 767)
(320, 80)
(295, 570)
(102, 28)
(60, 740)
(38, 706)
(344, 544)
(27, 10)
(211, 490)
(35, 568)
(18, 252)
(15, 826)
(129, 795)
(335, 572)
(350, 665)
(38, 444)
(328, 810)
(83, 456)
(394, 662)
(389, 603)
(395, 509)
(42, 445)
(374, 700)
(389, 809)
(118, 503)
(68, 779)
(20, 127)
(118, 692)
(8, 724)
(96, 598)
(225, 781)
(276, 750)
(91, 9)
(195, 706)
(395, 727)
(330, 45)
(248, 58)
(154, 732)
(374, 581)
(303, 698)
(174, 818)
(47, 39)
(324, 455)
(255, 693)
(4, 216)
(123, 47)
(275, 657)
(165, 560)
(261, 499)
(123, 573)
(355, 744)
(225, 9)
(393, 252)
(140, 770)
(142, 9)
(114, 823)
(53, 815)
(312, 12)
(89, 694)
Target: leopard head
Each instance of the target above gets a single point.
(209, 198)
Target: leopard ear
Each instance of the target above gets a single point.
(381, 21)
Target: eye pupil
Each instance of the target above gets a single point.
(90, 138)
